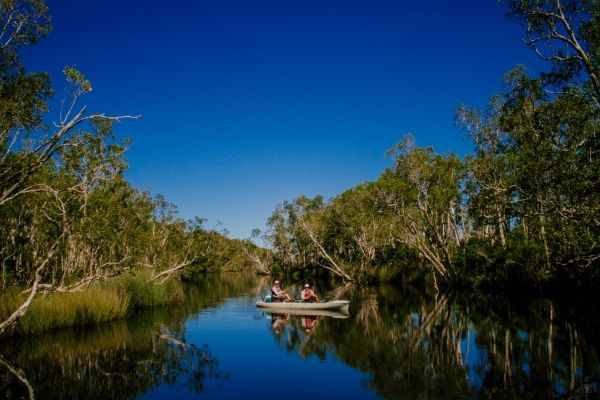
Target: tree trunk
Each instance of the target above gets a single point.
(335, 268)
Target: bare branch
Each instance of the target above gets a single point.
(19, 312)
(334, 267)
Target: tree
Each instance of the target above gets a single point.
(426, 195)
(566, 33)
(491, 191)
(359, 225)
(31, 152)
(553, 147)
(22, 95)
(298, 233)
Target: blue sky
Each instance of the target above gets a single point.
(247, 103)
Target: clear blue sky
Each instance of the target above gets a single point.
(248, 103)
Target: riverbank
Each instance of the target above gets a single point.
(100, 302)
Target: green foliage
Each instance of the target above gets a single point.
(77, 80)
(492, 267)
(23, 95)
(566, 34)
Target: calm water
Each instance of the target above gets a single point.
(395, 344)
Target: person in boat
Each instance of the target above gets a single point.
(309, 295)
(278, 294)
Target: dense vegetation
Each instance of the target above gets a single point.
(522, 211)
(68, 215)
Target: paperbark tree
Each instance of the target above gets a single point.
(566, 33)
(553, 146)
(426, 196)
(491, 191)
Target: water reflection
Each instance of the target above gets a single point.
(116, 362)
(297, 334)
(121, 360)
(405, 344)
(279, 321)
(448, 346)
(451, 347)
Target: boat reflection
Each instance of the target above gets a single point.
(299, 322)
(320, 313)
(306, 334)
(279, 321)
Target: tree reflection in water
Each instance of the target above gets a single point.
(121, 360)
(414, 346)
(109, 363)
(408, 343)
(124, 359)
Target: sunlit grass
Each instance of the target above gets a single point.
(99, 303)
(94, 305)
(145, 293)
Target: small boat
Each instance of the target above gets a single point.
(334, 305)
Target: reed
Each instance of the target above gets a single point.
(145, 293)
(99, 303)
(10, 300)
(94, 305)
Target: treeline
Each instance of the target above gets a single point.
(68, 216)
(522, 210)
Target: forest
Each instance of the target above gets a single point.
(521, 212)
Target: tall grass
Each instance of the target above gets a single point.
(144, 293)
(10, 300)
(99, 303)
(92, 306)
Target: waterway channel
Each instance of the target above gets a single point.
(396, 343)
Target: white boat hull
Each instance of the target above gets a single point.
(335, 305)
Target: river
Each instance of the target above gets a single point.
(397, 343)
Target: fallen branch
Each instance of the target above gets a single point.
(34, 289)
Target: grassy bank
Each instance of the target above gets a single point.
(100, 302)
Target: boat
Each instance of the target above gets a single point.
(306, 313)
(334, 305)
